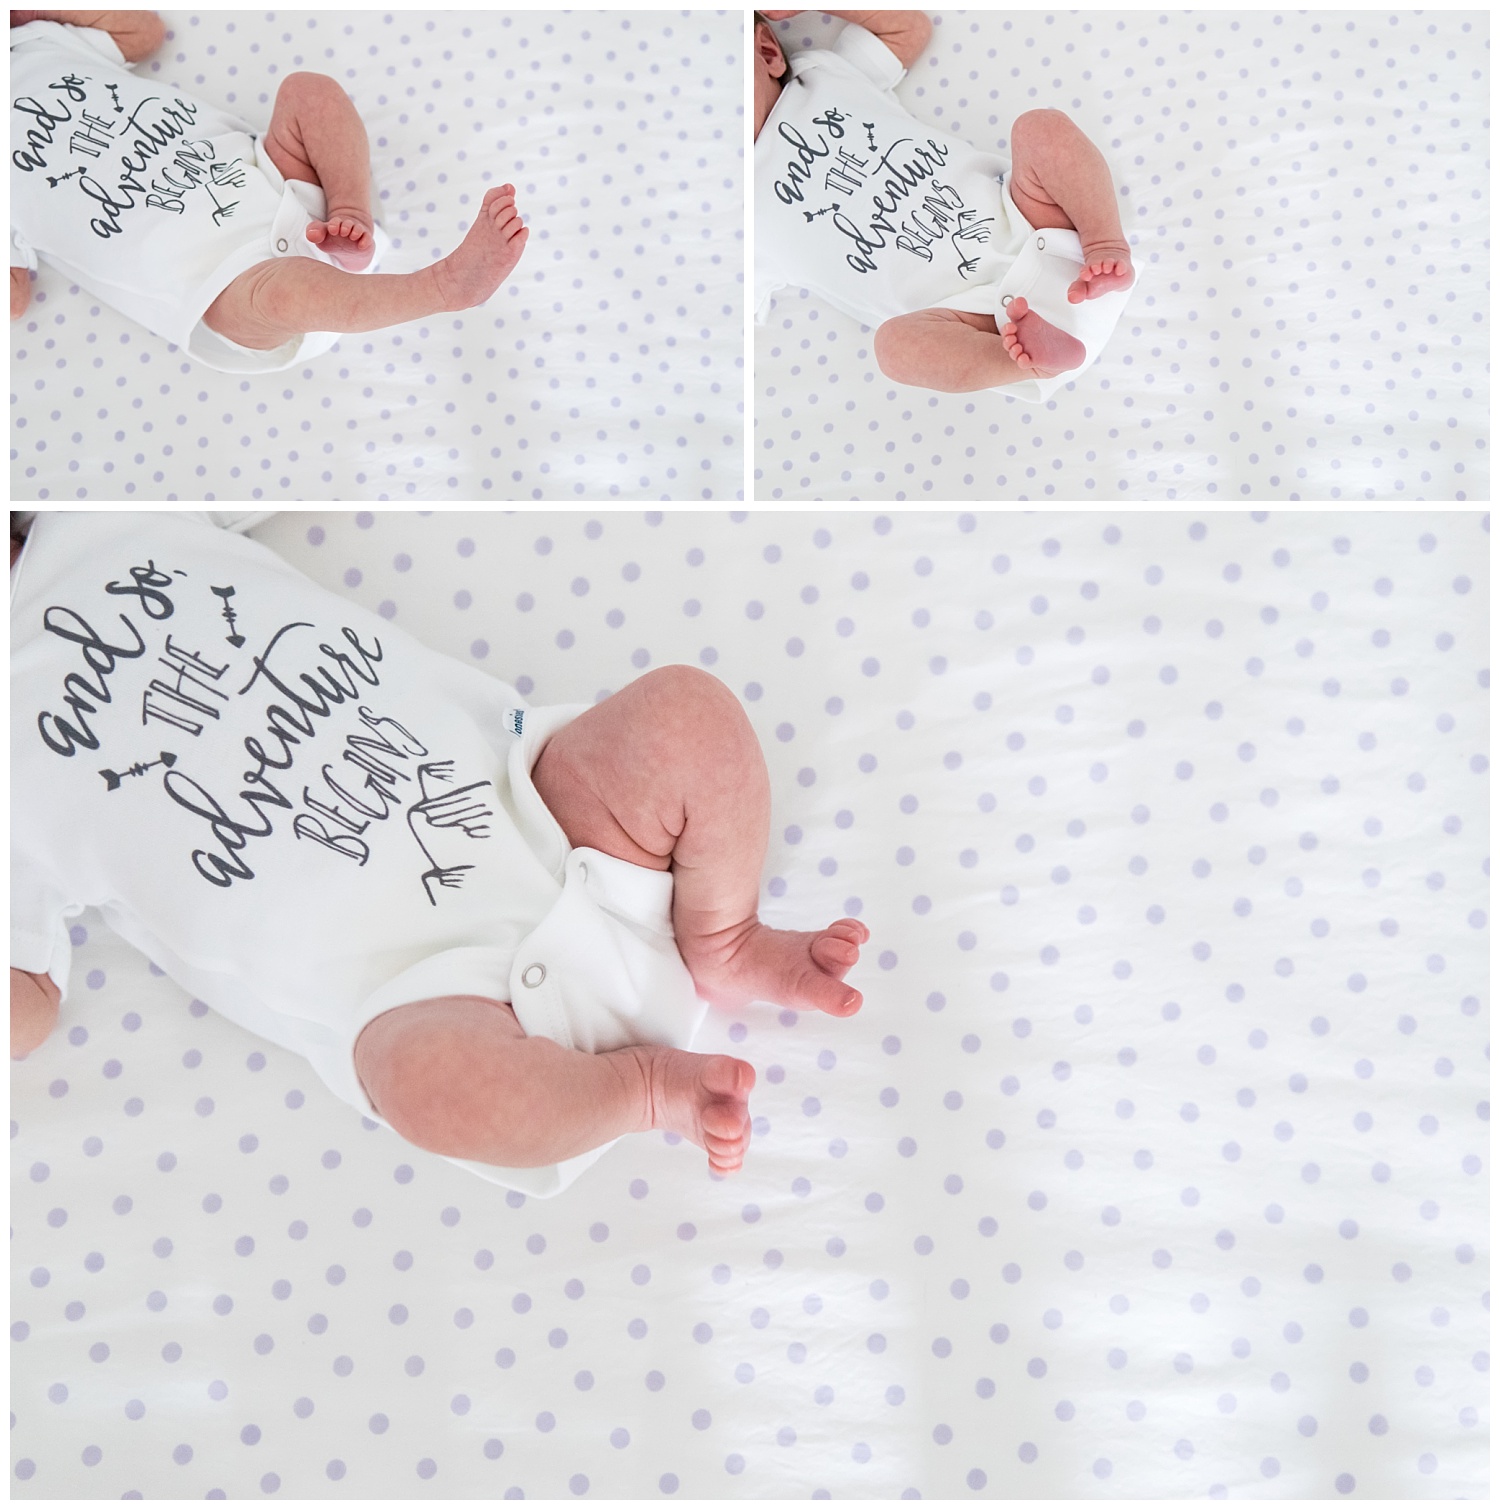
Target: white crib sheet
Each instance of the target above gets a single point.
(609, 365)
(1307, 197)
(1154, 1165)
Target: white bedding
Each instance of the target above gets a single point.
(1146, 812)
(1307, 197)
(610, 364)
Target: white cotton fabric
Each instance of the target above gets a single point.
(386, 844)
(156, 216)
(881, 213)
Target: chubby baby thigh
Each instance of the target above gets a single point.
(408, 1059)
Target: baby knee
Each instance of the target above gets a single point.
(683, 704)
(688, 693)
(1035, 129)
(311, 91)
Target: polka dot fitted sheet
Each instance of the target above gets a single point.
(1154, 1164)
(1306, 196)
(609, 365)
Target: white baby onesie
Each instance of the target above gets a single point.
(881, 214)
(153, 201)
(299, 813)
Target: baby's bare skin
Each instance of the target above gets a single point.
(1037, 347)
(1059, 180)
(346, 236)
(20, 292)
(664, 774)
(316, 136)
(287, 296)
(1105, 271)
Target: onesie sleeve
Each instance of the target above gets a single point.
(767, 285)
(865, 51)
(88, 42)
(21, 253)
(39, 913)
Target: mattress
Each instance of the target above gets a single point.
(609, 365)
(1307, 200)
(1154, 1165)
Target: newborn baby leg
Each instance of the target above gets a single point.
(287, 296)
(317, 137)
(668, 773)
(20, 292)
(956, 352)
(458, 1076)
(1059, 179)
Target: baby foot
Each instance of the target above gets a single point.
(347, 236)
(1037, 346)
(488, 253)
(804, 971)
(704, 1098)
(1106, 270)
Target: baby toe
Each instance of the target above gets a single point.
(834, 956)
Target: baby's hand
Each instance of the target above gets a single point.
(20, 292)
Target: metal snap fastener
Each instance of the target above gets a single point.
(1005, 300)
(1041, 242)
(533, 975)
(282, 244)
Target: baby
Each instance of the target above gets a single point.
(976, 273)
(250, 251)
(492, 927)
